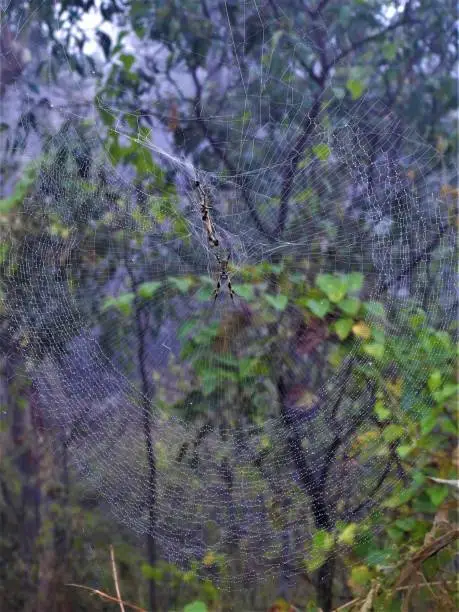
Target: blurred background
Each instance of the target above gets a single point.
(228, 305)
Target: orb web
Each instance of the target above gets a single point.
(111, 298)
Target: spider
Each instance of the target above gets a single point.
(205, 207)
(223, 276)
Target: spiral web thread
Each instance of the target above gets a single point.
(212, 495)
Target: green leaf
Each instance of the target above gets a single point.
(428, 423)
(127, 60)
(355, 88)
(334, 287)
(180, 227)
(318, 307)
(374, 350)
(406, 524)
(186, 329)
(404, 450)
(204, 294)
(389, 51)
(182, 284)
(381, 411)
(245, 291)
(195, 606)
(350, 306)
(434, 380)
(343, 328)
(322, 151)
(393, 432)
(347, 535)
(378, 335)
(445, 393)
(354, 281)
(210, 380)
(437, 494)
(322, 543)
(279, 302)
(147, 290)
(375, 309)
(360, 575)
(316, 561)
(20, 191)
(4, 249)
(304, 196)
(345, 16)
(322, 540)
(395, 534)
(251, 366)
(417, 320)
(380, 557)
(150, 572)
(122, 303)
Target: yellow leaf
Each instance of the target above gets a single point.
(366, 438)
(209, 559)
(348, 534)
(361, 330)
(360, 578)
(395, 388)
(265, 442)
(449, 190)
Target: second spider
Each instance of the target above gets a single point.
(223, 276)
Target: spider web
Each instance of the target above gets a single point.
(233, 491)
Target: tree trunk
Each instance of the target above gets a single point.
(324, 587)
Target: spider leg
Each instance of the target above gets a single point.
(230, 289)
(217, 290)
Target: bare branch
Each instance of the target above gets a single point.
(146, 398)
(369, 501)
(417, 259)
(320, 7)
(291, 165)
(205, 128)
(405, 20)
(115, 578)
(105, 596)
(308, 481)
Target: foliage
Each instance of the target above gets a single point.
(392, 536)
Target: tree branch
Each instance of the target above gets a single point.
(306, 475)
(369, 496)
(291, 166)
(405, 20)
(146, 397)
(435, 242)
(320, 7)
(226, 161)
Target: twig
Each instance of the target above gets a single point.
(349, 603)
(405, 20)
(115, 577)
(404, 588)
(106, 596)
(368, 603)
(420, 586)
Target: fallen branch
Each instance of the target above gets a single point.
(106, 596)
(115, 578)
(361, 600)
(424, 553)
